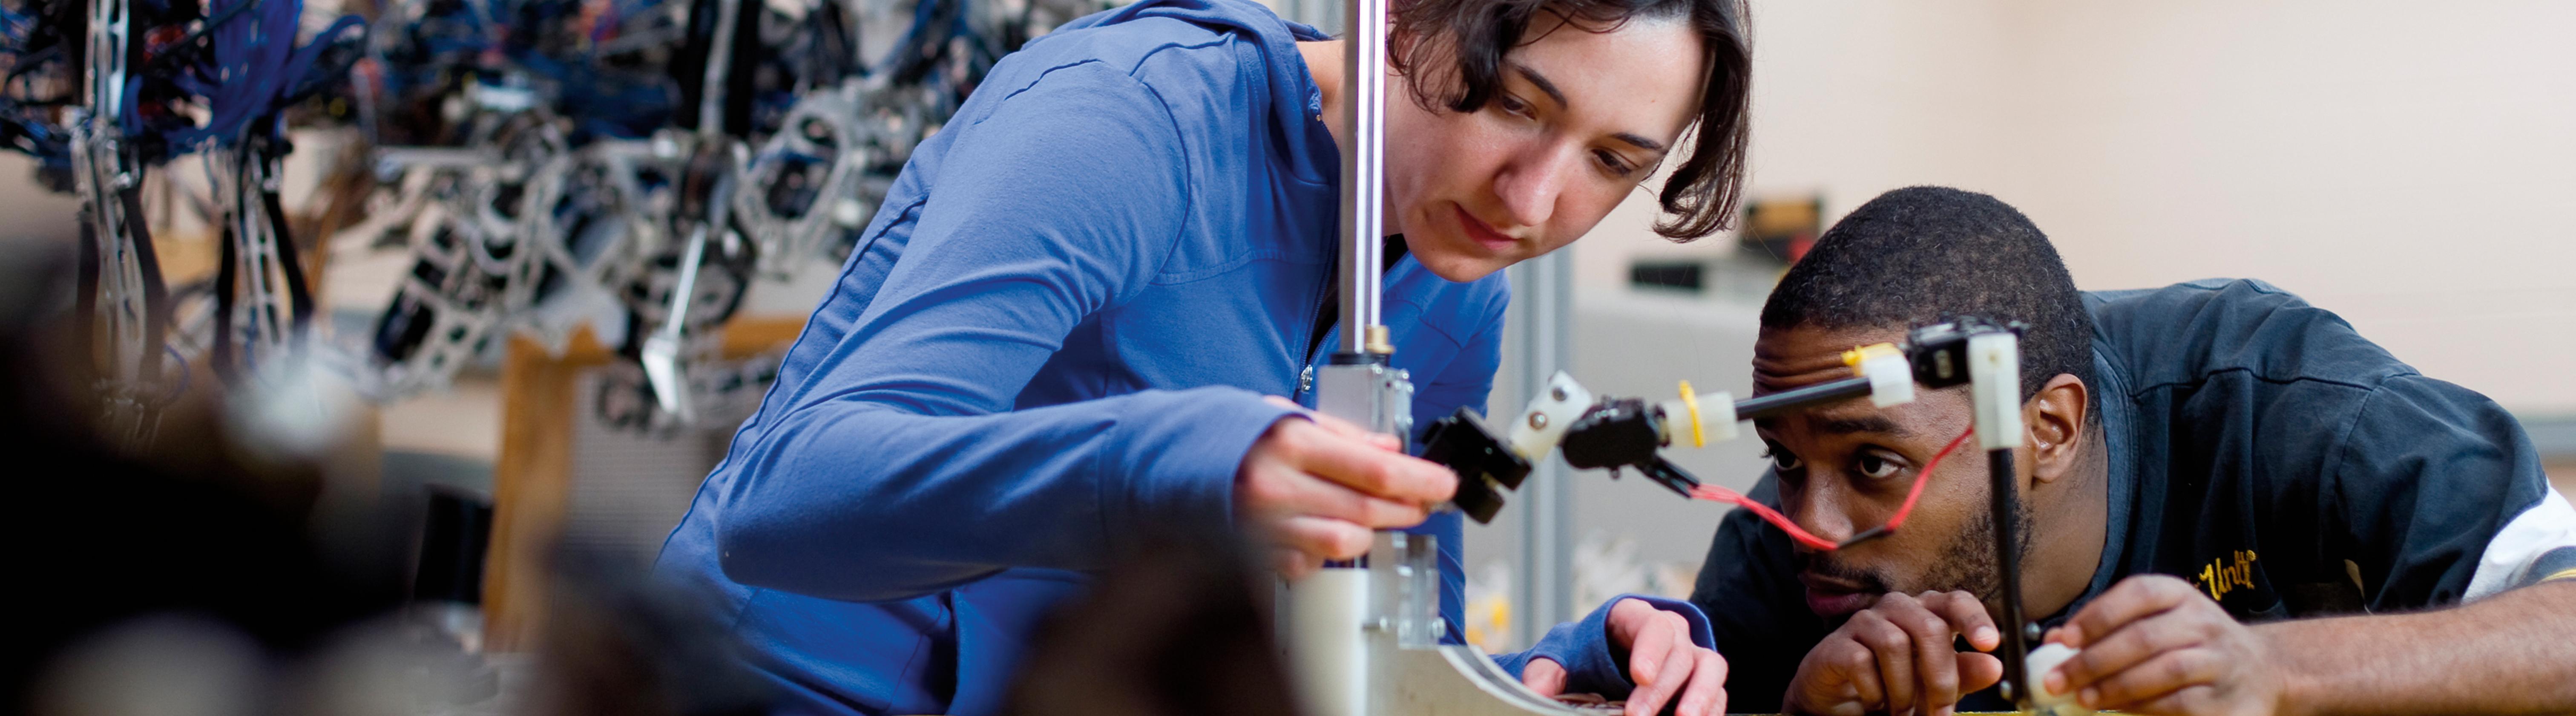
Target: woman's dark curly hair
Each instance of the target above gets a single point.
(1452, 50)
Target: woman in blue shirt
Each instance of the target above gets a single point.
(1062, 324)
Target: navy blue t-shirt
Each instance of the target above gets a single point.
(2260, 449)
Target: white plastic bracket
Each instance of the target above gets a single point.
(1538, 428)
(1994, 378)
(1891, 380)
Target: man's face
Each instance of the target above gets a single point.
(1846, 467)
(1582, 117)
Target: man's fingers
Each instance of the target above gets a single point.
(1895, 652)
(1544, 676)
(1930, 621)
(2189, 700)
(2134, 644)
(2132, 599)
(1977, 672)
(1936, 664)
(1966, 615)
(1706, 693)
(1859, 665)
(2154, 679)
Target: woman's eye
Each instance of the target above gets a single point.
(1512, 105)
(1875, 467)
(1612, 162)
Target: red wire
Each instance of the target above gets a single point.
(1714, 493)
(1719, 494)
(1924, 476)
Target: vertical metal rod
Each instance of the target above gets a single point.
(1363, 171)
(712, 85)
(1999, 473)
(1542, 304)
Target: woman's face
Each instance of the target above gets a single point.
(1580, 119)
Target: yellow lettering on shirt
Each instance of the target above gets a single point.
(2227, 574)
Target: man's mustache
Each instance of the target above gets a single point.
(1823, 565)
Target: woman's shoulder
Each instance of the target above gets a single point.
(1199, 59)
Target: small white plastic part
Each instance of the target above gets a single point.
(1717, 416)
(1994, 376)
(1891, 380)
(1538, 428)
(2043, 701)
(1716, 419)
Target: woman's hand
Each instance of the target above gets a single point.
(1662, 662)
(1316, 488)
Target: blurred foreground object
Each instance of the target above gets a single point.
(1180, 628)
(210, 574)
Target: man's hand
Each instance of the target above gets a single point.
(1315, 487)
(1897, 657)
(2155, 644)
(1662, 662)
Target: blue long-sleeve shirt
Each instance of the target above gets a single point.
(1057, 328)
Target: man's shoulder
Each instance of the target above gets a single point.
(2187, 332)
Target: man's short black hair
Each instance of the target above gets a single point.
(1921, 255)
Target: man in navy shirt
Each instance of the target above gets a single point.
(2230, 501)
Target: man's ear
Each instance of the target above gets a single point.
(2055, 421)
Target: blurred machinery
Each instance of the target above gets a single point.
(104, 92)
(737, 141)
(656, 156)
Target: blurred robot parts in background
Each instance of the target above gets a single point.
(102, 92)
(539, 222)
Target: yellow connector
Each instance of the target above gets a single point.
(1690, 403)
(1856, 357)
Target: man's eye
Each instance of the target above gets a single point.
(1780, 458)
(1512, 105)
(1875, 467)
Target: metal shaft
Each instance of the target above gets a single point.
(2016, 644)
(1363, 171)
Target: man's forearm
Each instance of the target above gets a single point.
(2511, 653)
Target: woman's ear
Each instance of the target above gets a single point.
(2055, 421)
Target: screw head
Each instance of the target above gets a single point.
(1538, 421)
(1556, 394)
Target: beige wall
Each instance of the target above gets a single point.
(2409, 166)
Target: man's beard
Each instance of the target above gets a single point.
(1967, 563)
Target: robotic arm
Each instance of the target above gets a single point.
(1617, 432)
